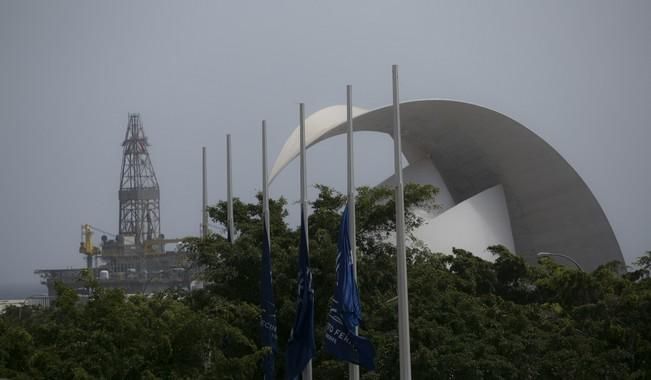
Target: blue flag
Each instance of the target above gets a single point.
(268, 320)
(301, 347)
(345, 311)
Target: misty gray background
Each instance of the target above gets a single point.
(576, 73)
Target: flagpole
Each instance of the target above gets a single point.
(303, 175)
(265, 189)
(353, 369)
(204, 202)
(229, 191)
(267, 296)
(307, 372)
(403, 302)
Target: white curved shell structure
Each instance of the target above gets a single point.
(499, 182)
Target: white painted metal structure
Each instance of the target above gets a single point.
(404, 342)
(353, 369)
(498, 181)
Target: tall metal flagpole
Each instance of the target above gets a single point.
(307, 372)
(229, 191)
(204, 203)
(353, 369)
(403, 302)
(265, 189)
(266, 297)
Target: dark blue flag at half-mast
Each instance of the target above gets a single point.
(268, 320)
(301, 347)
(345, 312)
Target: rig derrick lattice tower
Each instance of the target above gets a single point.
(139, 194)
(136, 260)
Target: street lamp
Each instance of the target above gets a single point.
(548, 254)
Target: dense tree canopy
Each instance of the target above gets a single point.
(470, 319)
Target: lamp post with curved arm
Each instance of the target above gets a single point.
(548, 254)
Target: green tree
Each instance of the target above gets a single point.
(469, 318)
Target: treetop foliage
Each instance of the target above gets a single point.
(469, 318)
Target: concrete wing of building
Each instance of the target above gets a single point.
(499, 182)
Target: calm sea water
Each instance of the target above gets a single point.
(20, 291)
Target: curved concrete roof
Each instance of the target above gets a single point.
(474, 148)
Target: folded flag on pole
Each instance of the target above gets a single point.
(301, 347)
(268, 321)
(345, 312)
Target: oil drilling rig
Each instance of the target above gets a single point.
(135, 259)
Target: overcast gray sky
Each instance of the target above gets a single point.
(577, 73)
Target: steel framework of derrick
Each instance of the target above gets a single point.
(139, 192)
